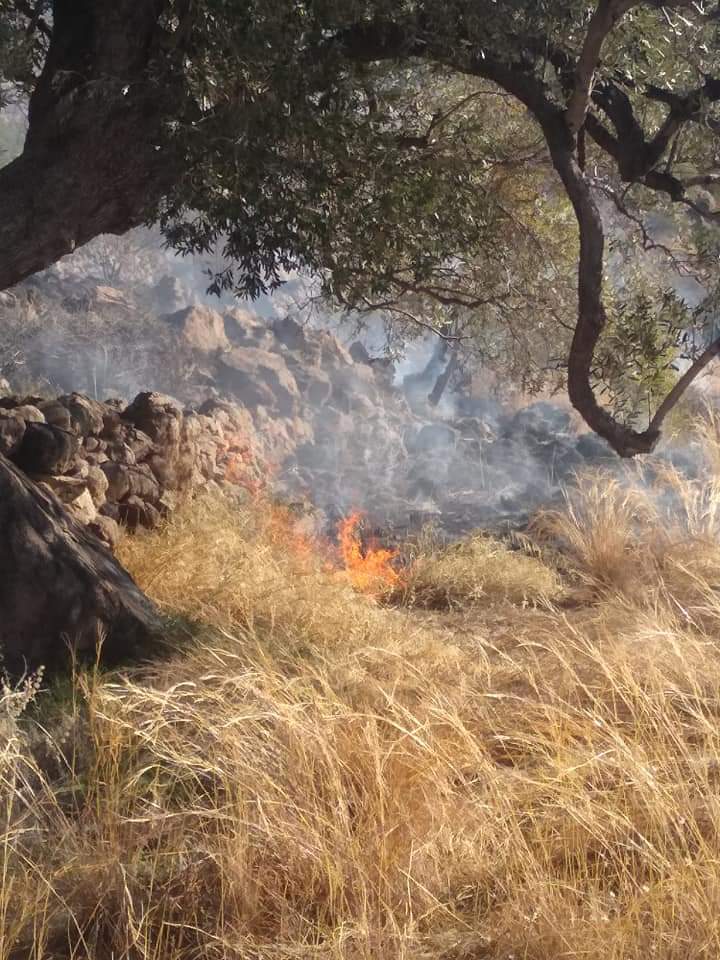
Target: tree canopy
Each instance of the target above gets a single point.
(418, 154)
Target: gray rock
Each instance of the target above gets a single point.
(118, 480)
(66, 489)
(83, 509)
(105, 529)
(97, 484)
(259, 378)
(158, 416)
(56, 413)
(45, 449)
(135, 513)
(120, 452)
(139, 442)
(12, 430)
(29, 413)
(202, 328)
(87, 415)
(143, 484)
(247, 329)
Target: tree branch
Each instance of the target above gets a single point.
(691, 374)
(392, 307)
(606, 15)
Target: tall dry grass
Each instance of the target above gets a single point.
(316, 775)
(480, 570)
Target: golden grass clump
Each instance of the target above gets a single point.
(640, 537)
(313, 775)
(478, 570)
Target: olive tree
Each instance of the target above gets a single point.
(297, 134)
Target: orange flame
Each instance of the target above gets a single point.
(285, 533)
(370, 570)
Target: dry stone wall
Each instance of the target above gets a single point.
(114, 464)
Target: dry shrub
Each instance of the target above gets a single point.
(640, 536)
(318, 776)
(480, 570)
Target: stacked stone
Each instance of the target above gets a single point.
(113, 465)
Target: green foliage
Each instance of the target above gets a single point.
(643, 340)
(408, 184)
(12, 133)
(21, 49)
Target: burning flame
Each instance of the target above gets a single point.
(370, 570)
(285, 534)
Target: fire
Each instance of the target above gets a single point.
(370, 569)
(285, 533)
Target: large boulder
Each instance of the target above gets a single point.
(56, 414)
(45, 449)
(28, 412)
(259, 378)
(158, 416)
(87, 415)
(247, 329)
(60, 587)
(202, 328)
(117, 480)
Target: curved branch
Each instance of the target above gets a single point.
(691, 374)
(592, 317)
(606, 15)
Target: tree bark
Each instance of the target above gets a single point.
(607, 13)
(592, 317)
(52, 201)
(436, 394)
(95, 158)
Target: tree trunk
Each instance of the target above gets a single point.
(95, 158)
(54, 200)
(442, 381)
(592, 317)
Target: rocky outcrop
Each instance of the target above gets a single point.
(280, 403)
(60, 587)
(259, 378)
(202, 328)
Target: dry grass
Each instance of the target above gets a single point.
(480, 570)
(639, 538)
(319, 776)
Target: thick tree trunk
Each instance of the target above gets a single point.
(54, 199)
(94, 160)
